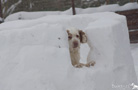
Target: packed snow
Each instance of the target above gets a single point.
(105, 8)
(34, 54)
(134, 51)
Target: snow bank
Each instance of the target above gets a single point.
(34, 54)
(110, 49)
(104, 8)
(111, 8)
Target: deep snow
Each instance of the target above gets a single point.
(34, 54)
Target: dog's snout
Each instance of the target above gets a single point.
(75, 44)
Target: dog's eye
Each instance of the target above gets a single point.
(70, 37)
(77, 36)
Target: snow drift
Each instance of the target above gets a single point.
(34, 54)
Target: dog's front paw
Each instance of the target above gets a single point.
(80, 65)
(92, 63)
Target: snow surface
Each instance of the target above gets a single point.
(33, 15)
(34, 54)
(134, 51)
(117, 59)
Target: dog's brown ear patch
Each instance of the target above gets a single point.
(68, 32)
(69, 35)
(83, 37)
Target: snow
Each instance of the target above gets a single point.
(134, 51)
(117, 59)
(34, 54)
(105, 8)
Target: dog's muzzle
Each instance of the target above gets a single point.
(75, 44)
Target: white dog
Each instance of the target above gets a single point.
(75, 38)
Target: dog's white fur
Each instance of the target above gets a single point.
(75, 38)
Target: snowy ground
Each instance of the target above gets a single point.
(34, 53)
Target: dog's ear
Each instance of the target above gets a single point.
(83, 37)
(68, 32)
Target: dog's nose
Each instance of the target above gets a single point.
(75, 44)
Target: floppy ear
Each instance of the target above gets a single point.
(68, 32)
(83, 37)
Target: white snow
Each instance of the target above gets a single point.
(34, 54)
(134, 51)
(105, 8)
(110, 49)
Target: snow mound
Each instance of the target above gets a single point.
(105, 8)
(110, 49)
(34, 54)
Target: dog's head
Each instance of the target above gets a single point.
(75, 37)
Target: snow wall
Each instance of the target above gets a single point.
(34, 54)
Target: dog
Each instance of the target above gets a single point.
(75, 38)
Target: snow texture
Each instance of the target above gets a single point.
(34, 54)
(134, 51)
(105, 8)
(111, 51)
